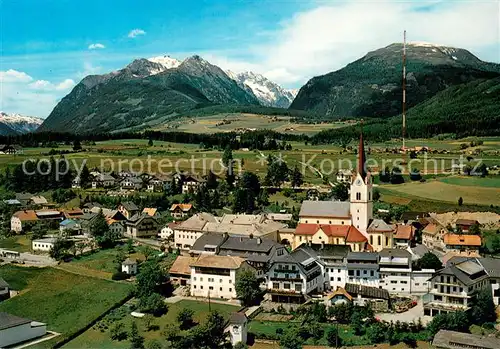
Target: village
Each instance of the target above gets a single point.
(331, 254)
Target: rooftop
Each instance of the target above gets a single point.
(238, 318)
(129, 261)
(464, 240)
(366, 291)
(404, 232)
(459, 340)
(378, 225)
(183, 207)
(213, 261)
(130, 206)
(181, 265)
(333, 209)
(3, 283)
(9, 320)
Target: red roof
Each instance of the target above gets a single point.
(404, 232)
(306, 229)
(355, 235)
(335, 230)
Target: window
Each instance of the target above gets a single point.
(210, 288)
(194, 278)
(201, 287)
(387, 241)
(230, 290)
(331, 278)
(339, 279)
(286, 286)
(372, 273)
(371, 240)
(221, 288)
(379, 240)
(194, 286)
(358, 196)
(369, 196)
(298, 287)
(276, 285)
(220, 281)
(394, 282)
(201, 279)
(230, 281)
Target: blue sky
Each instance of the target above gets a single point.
(49, 46)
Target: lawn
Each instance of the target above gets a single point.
(95, 338)
(487, 182)
(19, 243)
(66, 302)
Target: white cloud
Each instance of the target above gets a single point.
(96, 46)
(136, 32)
(20, 94)
(12, 75)
(328, 37)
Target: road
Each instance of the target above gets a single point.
(32, 260)
(408, 316)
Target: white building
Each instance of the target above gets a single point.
(43, 245)
(395, 270)
(334, 261)
(362, 268)
(186, 233)
(167, 231)
(129, 266)
(294, 276)
(238, 328)
(344, 176)
(15, 330)
(420, 281)
(215, 276)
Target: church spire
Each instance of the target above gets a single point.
(361, 154)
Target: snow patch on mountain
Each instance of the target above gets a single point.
(267, 92)
(166, 61)
(20, 123)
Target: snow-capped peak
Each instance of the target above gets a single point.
(20, 123)
(267, 92)
(166, 61)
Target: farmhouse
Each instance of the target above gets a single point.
(19, 219)
(432, 236)
(215, 276)
(155, 185)
(167, 231)
(190, 184)
(180, 271)
(131, 183)
(459, 243)
(188, 231)
(15, 330)
(465, 224)
(129, 266)
(103, 180)
(142, 226)
(339, 296)
(404, 236)
(363, 295)
(181, 210)
(128, 209)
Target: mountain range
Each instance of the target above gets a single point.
(150, 92)
(15, 124)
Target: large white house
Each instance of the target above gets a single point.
(15, 330)
(43, 245)
(215, 276)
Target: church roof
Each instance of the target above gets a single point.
(329, 209)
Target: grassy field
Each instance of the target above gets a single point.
(95, 338)
(66, 302)
(19, 243)
(487, 182)
(229, 122)
(443, 191)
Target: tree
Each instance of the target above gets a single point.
(211, 334)
(250, 181)
(248, 287)
(460, 201)
(243, 201)
(150, 142)
(340, 191)
(376, 333)
(60, 249)
(117, 332)
(296, 177)
(376, 195)
(483, 308)
(341, 312)
(413, 154)
(290, 339)
(85, 176)
(76, 145)
(153, 344)
(151, 275)
(277, 171)
(415, 175)
(240, 345)
(357, 323)
(149, 323)
(136, 340)
(332, 337)
(100, 231)
(396, 176)
(475, 229)
(456, 321)
(385, 175)
(227, 156)
(185, 318)
(211, 182)
(429, 261)
(263, 198)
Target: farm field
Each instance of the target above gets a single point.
(19, 243)
(487, 182)
(228, 122)
(442, 191)
(66, 302)
(95, 338)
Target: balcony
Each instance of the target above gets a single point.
(294, 279)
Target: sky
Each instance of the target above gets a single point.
(47, 47)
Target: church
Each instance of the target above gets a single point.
(345, 222)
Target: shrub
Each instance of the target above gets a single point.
(119, 275)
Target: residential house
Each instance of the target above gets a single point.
(24, 198)
(88, 206)
(43, 245)
(445, 339)
(181, 210)
(190, 184)
(334, 260)
(362, 268)
(167, 231)
(339, 296)
(129, 266)
(344, 176)
(128, 209)
(432, 236)
(395, 270)
(141, 226)
(117, 227)
(465, 224)
(381, 235)
(258, 225)
(21, 219)
(69, 227)
(405, 235)
(103, 180)
(15, 330)
(188, 231)
(131, 183)
(40, 201)
(12, 202)
(454, 287)
(208, 243)
(294, 277)
(155, 185)
(280, 217)
(74, 213)
(215, 276)
(180, 271)
(459, 243)
(151, 211)
(4, 290)
(8, 149)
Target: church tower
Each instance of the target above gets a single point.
(361, 194)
